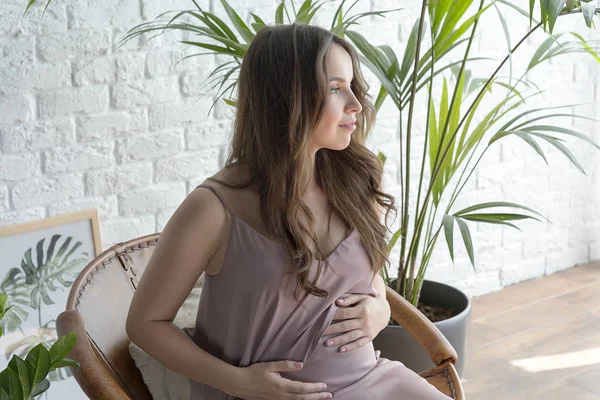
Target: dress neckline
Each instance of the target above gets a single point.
(263, 237)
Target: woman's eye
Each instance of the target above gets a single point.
(335, 90)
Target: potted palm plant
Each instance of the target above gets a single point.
(459, 128)
(452, 142)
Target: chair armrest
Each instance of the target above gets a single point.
(420, 328)
(93, 376)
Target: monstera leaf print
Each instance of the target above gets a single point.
(51, 270)
(43, 270)
(18, 300)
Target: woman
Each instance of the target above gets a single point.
(289, 225)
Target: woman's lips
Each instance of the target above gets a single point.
(349, 126)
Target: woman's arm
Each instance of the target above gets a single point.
(189, 240)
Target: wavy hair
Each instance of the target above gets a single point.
(282, 92)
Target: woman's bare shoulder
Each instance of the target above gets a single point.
(235, 174)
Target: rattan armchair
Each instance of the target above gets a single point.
(97, 309)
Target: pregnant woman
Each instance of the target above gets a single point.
(291, 225)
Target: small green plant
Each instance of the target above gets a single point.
(26, 379)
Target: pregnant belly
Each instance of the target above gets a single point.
(336, 369)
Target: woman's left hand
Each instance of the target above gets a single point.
(360, 318)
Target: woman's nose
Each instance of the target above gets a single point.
(354, 106)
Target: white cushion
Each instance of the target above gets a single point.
(162, 383)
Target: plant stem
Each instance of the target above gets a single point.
(408, 137)
(422, 173)
(424, 262)
(400, 289)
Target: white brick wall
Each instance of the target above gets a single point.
(126, 131)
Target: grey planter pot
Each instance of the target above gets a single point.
(396, 344)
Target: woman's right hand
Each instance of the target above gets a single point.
(262, 381)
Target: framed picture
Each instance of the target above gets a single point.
(39, 260)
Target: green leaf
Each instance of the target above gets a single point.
(542, 50)
(482, 128)
(304, 7)
(65, 363)
(233, 46)
(554, 9)
(3, 299)
(279, 13)
(62, 348)
(494, 204)
(373, 59)
(3, 311)
(4, 380)
(523, 114)
(531, 8)
(438, 10)
(508, 44)
(448, 161)
(410, 51)
(14, 383)
(586, 46)
(372, 54)
(532, 143)
(39, 360)
(544, 11)
(453, 16)
(216, 49)
(448, 222)
(381, 157)
(434, 135)
(230, 102)
(307, 12)
(588, 10)
(380, 97)
(497, 216)
(238, 23)
(41, 388)
(31, 2)
(393, 240)
(566, 131)
(221, 24)
(493, 221)
(21, 368)
(466, 236)
(563, 149)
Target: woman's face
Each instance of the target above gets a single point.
(337, 121)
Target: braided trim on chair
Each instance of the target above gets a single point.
(141, 246)
(89, 279)
(102, 266)
(447, 375)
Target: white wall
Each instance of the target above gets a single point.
(84, 126)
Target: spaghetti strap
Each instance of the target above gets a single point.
(212, 189)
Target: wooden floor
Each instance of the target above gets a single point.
(538, 339)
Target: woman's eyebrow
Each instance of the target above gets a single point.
(337, 78)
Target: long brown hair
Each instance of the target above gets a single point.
(282, 91)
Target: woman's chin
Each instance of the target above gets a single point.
(342, 145)
(342, 142)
